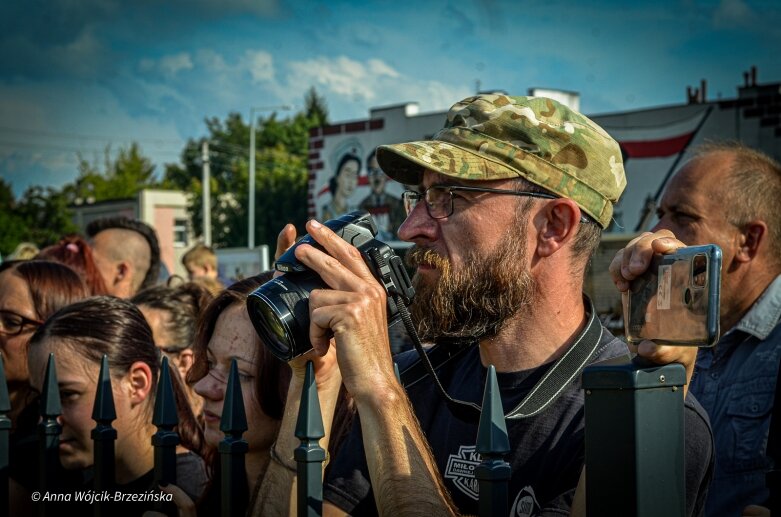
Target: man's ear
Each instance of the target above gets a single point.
(139, 382)
(751, 238)
(558, 223)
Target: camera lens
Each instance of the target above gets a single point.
(279, 311)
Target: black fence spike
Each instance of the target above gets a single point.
(104, 437)
(233, 419)
(492, 431)
(50, 395)
(5, 431)
(165, 415)
(309, 425)
(49, 434)
(233, 422)
(165, 439)
(309, 455)
(5, 400)
(103, 411)
(396, 371)
(493, 473)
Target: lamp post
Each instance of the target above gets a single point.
(253, 126)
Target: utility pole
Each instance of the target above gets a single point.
(253, 127)
(206, 183)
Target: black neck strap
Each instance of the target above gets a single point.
(565, 370)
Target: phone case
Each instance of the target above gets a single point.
(676, 302)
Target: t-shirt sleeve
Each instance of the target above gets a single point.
(699, 455)
(347, 483)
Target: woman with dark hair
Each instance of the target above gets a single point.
(30, 292)
(172, 313)
(76, 253)
(342, 185)
(79, 336)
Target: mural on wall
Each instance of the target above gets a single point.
(357, 182)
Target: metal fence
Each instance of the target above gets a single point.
(627, 409)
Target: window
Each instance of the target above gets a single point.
(180, 233)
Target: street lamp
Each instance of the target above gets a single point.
(253, 125)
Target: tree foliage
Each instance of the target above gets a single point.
(42, 215)
(281, 149)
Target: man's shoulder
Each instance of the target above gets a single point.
(609, 347)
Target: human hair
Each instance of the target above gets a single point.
(76, 253)
(332, 183)
(183, 303)
(752, 190)
(52, 285)
(144, 230)
(200, 255)
(105, 325)
(272, 375)
(24, 251)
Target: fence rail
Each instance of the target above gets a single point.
(603, 402)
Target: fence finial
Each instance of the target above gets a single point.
(493, 473)
(165, 403)
(233, 419)
(165, 439)
(50, 395)
(309, 455)
(103, 435)
(103, 411)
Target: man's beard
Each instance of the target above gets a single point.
(478, 298)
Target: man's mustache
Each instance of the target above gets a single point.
(417, 256)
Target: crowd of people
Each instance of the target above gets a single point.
(507, 204)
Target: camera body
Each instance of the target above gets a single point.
(279, 309)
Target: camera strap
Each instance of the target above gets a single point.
(566, 368)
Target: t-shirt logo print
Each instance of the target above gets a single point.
(525, 504)
(461, 469)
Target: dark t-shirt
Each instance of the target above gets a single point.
(547, 450)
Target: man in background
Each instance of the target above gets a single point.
(728, 195)
(126, 253)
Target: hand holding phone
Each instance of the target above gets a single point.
(676, 301)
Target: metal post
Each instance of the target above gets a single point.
(49, 433)
(207, 199)
(234, 490)
(634, 440)
(103, 435)
(251, 222)
(5, 431)
(493, 473)
(165, 439)
(309, 455)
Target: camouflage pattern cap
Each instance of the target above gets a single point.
(488, 137)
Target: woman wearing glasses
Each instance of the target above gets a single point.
(30, 292)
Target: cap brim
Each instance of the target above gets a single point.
(407, 162)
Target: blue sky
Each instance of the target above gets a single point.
(77, 75)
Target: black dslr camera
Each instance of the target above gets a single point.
(279, 309)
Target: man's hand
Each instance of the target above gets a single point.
(353, 312)
(631, 262)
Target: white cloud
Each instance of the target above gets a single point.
(733, 14)
(350, 83)
(173, 64)
(260, 65)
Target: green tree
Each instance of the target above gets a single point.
(123, 177)
(280, 168)
(14, 226)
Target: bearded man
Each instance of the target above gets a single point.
(511, 199)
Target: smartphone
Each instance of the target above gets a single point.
(676, 302)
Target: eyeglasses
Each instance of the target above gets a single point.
(12, 324)
(439, 198)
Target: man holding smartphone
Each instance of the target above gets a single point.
(728, 195)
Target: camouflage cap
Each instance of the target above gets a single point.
(488, 137)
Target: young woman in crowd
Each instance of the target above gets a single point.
(79, 336)
(173, 313)
(76, 253)
(225, 333)
(30, 292)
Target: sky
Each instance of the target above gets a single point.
(77, 76)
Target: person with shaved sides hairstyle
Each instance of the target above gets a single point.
(126, 253)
